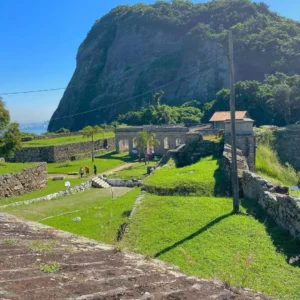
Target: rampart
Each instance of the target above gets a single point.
(274, 199)
(62, 153)
(287, 143)
(28, 180)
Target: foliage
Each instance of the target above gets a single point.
(145, 140)
(269, 166)
(50, 268)
(101, 217)
(90, 132)
(4, 115)
(163, 114)
(11, 140)
(203, 178)
(203, 238)
(64, 140)
(265, 43)
(10, 135)
(275, 101)
(62, 130)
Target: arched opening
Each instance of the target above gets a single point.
(134, 144)
(123, 145)
(178, 142)
(166, 143)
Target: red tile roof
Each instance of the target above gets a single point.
(225, 115)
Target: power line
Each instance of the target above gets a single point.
(143, 94)
(28, 92)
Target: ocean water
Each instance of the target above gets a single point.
(35, 130)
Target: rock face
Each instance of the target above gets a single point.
(180, 48)
(28, 180)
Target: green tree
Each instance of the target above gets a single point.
(145, 140)
(157, 97)
(90, 132)
(282, 101)
(10, 140)
(4, 115)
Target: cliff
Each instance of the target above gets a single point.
(136, 49)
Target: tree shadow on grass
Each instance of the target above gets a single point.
(193, 235)
(114, 155)
(222, 184)
(281, 238)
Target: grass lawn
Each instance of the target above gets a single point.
(65, 140)
(7, 168)
(204, 178)
(138, 171)
(53, 187)
(100, 216)
(103, 162)
(269, 166)
(203, 238)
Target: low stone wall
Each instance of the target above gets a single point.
(123, 183)
(76, 189)
(274, 199)
(61, 153)
(28, 180)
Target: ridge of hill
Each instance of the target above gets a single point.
(136, 49)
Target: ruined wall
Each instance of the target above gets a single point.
(287, 143)
(28, 180)
(274, 199)
(61, 153)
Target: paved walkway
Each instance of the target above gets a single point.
(89, 270)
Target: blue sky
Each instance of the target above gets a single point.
(39, 42)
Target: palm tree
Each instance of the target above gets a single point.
(90, 132)
(145, 140)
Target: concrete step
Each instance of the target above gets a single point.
(98, 182)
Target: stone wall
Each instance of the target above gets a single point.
(61, 153)
(28, 180)
(274, 199)
(287, 143)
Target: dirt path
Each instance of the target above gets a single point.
(84, 269)
(117, 169)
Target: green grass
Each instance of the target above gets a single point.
(100, 216)
(104, 163)
(53, 187)
(65, 140)
(203, 238)
(268, 165)
(138, 171)
(204, 178)
(7, 168)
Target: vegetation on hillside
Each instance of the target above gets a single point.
(265, 43)
(10, 135)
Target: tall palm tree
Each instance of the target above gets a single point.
(90, 132)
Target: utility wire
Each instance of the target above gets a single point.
(143, 94)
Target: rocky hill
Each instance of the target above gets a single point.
(134, 51)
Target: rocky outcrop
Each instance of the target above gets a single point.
(274, 199)
(28, 180)
(135, 50)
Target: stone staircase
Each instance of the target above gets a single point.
(98, 182)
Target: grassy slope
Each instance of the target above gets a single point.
(6, 168)
(202, 237)
(101, 217)
(138, 171)
(268, 165)
(65, 140)
(53, 187)
(104, 163)
(203, 178)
